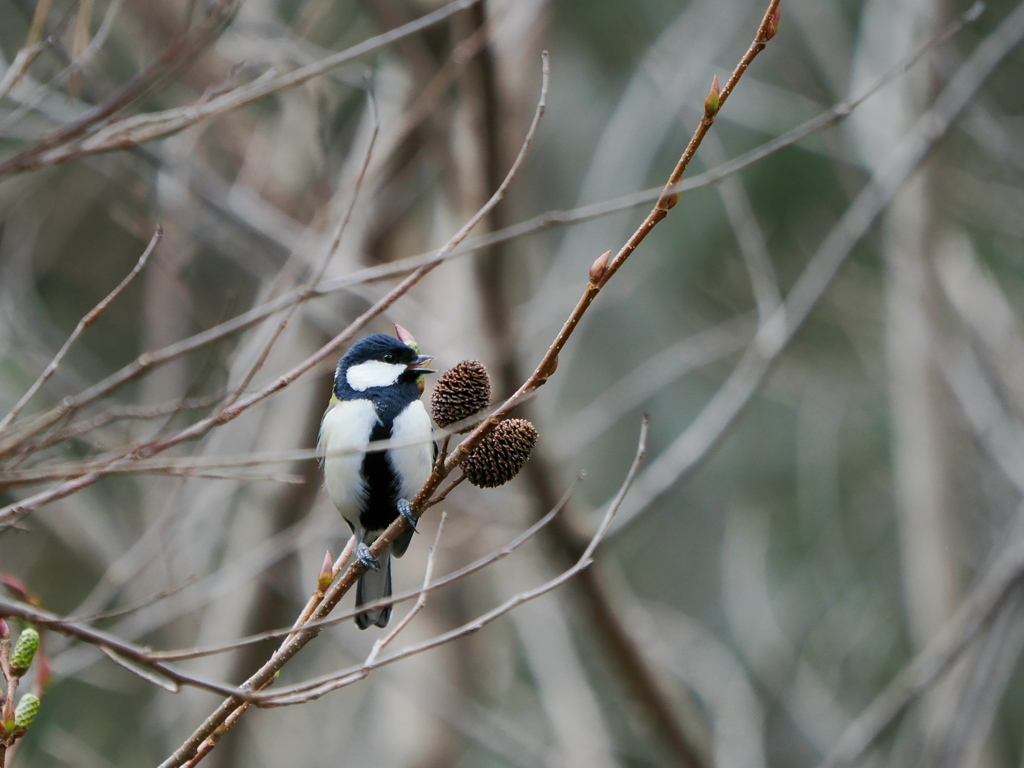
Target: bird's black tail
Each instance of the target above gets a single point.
(375, 585)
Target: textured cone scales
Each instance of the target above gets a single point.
(26, 712)
(24, 651)
(501, 454)
(461, 392)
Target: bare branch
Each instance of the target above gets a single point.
(696, 442)
(200, 428)
(396, 598)
(975, 613)
(205, 737)
(149, 360)
(314, 689)
(84, 323)
(114, 646)
(132, 131)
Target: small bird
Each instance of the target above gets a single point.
(376, 396)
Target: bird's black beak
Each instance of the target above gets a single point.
(418, 365)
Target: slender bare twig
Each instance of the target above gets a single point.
(110, 415)
(132, 131)
(206, 736)
(314, 689)
(317, 597)
(396, 598)
(772, 337)
(22, 61)
(151, 359)
(421, 601)
(325, 261)
(77, 65)
(113, 645)
(975, 613)
(133, 608)
(182, 50)
(200, 428)
(84, 323)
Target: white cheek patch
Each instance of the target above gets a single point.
(373, 373)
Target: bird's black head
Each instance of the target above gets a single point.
(378, 362)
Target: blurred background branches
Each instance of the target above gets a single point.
(819, 560)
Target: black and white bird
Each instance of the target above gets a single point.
(376, 397)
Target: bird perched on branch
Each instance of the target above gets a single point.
(376, 396)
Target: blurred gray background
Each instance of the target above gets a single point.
(766, 578)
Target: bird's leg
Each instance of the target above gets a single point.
(406, 513)
(365, 559)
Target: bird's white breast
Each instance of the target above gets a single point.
(412, 463)
(344, 435)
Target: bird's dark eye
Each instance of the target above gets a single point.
(389, 358)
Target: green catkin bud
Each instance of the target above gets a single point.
(24, 651)
(26, 711)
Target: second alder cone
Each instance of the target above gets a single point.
(501, 454)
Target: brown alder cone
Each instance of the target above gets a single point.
(501, 454)
(461, 392)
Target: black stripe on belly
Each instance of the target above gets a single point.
(379, 508)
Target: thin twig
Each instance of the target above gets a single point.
(205, 737)
(325, 261)
(141, 413)
(77, 65)
(22, 61)
(772, 337)
(179, 52)
(396, 598)
(314, 689)
(421, 601)
(113, 645)
(200, 428)
(132, 131)
(975, 613)
(91, 317)
(148, 360)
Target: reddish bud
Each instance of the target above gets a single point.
(42, 673)
(773, 23)
(405, 337)
(326, 575)
(5, 630)
(713, 100)
(552, 367)
(17, 588)
(598, 267)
